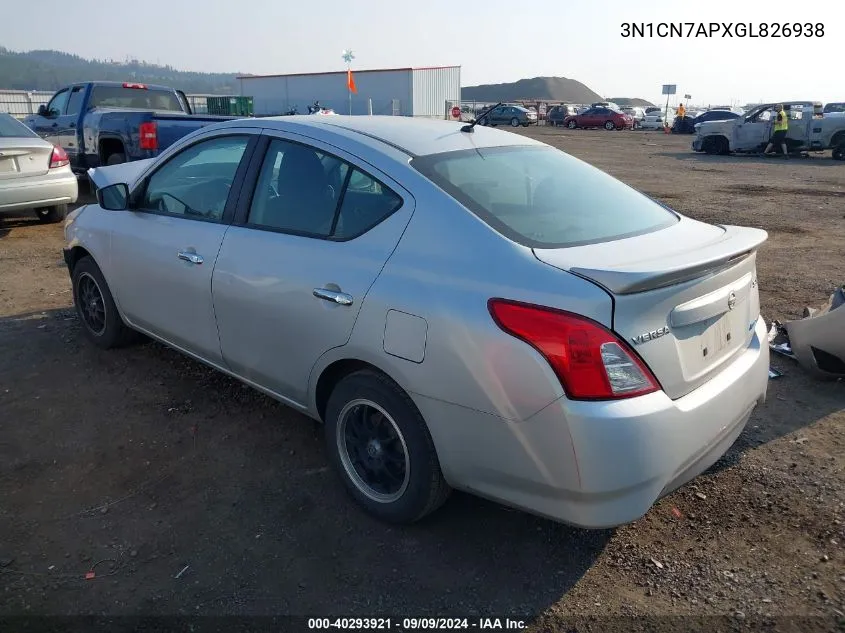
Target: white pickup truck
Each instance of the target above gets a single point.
(750, 133)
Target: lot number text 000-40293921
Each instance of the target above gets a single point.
(722, 29)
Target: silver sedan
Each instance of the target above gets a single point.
(34, 174)
(462, 307)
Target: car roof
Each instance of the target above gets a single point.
(413, 136)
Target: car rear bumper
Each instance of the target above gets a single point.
(599, 464)
(53, 188)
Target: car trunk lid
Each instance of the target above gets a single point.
(685, 298)
(21, 157)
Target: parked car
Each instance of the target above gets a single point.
(635, 112)
(604, 351)
(686, 124)
(656, 120)
(34, 174)
(751, 133)
(607, 118)
(107, 123)
(557, 114)
(513, 115)
(653, 109)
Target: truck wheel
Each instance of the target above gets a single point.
(95, 307)
(839, 152)
(116, 159)
(380, 446)
(51, 215)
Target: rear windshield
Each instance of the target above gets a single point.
(543, 198)
(10, 127)
(135, 98)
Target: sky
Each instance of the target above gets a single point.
(493, 41)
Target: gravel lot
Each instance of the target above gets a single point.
(138, 464)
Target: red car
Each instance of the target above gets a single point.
(608, 118)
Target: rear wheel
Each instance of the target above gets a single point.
(514, 122)
(379, 443)
(96, 309)
(51, 215)
(116, 159)
(609, 125)
(839, 152)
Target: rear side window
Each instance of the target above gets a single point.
(543, 198)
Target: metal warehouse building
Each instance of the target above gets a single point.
(397, 91)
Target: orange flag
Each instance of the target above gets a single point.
(350, 82)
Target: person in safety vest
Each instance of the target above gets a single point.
(681, 111)
(781, 127)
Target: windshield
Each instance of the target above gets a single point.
(135, 98)
(10, 127)
(543, 198)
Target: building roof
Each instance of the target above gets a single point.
(413, 136)
(341, 72)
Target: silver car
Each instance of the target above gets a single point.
(34, 174)
(462, 307)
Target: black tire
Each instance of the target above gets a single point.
(572, 124)
(113, 332)
(51, 215)
(609, 125)
(709, 145)
(514, 122)
(839, 152)
(116, 159)
(423, 488)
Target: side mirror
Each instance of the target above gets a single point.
(42, 110)
(114, 197)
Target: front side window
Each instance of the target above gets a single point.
(196, 182)
(57, 104)
(543, 198)
(307, 192)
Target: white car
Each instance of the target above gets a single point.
(656, 120)
(637, 113)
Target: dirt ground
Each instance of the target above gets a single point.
(187, 493)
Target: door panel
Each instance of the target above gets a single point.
(283, 299)
(162, 255)
(47, 127)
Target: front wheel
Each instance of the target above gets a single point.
(95, 307)
(609, 125)
(379, 444)
(51, 215)
(514, 122)
(572, 125)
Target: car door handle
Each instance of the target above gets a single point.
(190, 257)
(331, 295)
(73, 125)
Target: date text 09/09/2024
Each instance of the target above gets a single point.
(722, 29)
(417, 624)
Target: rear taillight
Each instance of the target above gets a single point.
(58, 158)
(148, 135)
(590, 361)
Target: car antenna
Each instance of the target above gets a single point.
(469, 126)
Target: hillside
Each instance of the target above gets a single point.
(540, 88)
(49, 70)
(628, 101)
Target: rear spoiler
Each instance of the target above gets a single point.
(736, 244)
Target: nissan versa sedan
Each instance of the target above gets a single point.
(462, 307)
(34, 174)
